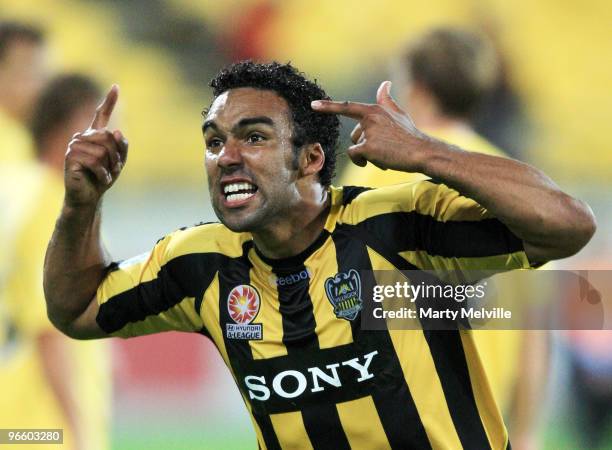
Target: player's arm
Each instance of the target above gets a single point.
(551, 223)
(76, 261)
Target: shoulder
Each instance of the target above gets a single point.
(359, 203)
(426, 198)
(190, 256)
(203, 238)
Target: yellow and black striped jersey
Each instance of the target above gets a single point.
(289, 329)
(499, 350)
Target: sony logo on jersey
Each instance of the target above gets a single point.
(293, 383)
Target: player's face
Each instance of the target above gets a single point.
(249, 159)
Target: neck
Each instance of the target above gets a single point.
(437, 122)
(426, 113)
(299, 230)
(52, 152)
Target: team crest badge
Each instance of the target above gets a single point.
(243, 304)
(344, 293)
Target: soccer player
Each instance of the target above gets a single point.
(443, 77)
(278, 284)
(46, 380)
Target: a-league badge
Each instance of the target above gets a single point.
(243, 304)
(344, 293)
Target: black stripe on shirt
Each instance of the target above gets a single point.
(295, 306)
(461, 239)
(393, 401)
(323, 426)
(185, 276)
(349, 193)
(321, 420)
(450, 362)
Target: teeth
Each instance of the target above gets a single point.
(237, 187)
(236, 197)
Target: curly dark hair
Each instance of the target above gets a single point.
(308, 126)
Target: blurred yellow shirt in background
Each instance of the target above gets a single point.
(372, 176)
(499, 350)
(15, 141)
(31, 197)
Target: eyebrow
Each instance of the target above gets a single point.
(209, 124)
(253, 121)
(241, 124)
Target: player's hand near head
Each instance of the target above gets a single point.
(385, 134)
(95, 157)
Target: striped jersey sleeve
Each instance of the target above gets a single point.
(144, 295)
(434, 227)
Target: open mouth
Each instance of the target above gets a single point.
(235, 192)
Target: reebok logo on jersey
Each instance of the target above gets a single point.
(287, 280)
(243, 304)
(344, 293)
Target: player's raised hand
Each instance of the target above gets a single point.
(385, 134)
(95, 157)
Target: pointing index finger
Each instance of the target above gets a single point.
(105, 109)
(353, 110)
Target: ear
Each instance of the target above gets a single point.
(311, 160)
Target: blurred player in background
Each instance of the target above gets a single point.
(46, 379)
(23, 73)
(443, 77)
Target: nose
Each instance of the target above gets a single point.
(230, 155)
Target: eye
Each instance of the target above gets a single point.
(214, 143)
(255, 138)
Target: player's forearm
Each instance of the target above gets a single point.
(75, 264)
(552, 223)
